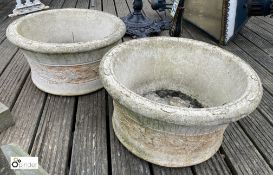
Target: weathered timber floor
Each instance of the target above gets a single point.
(73, 135)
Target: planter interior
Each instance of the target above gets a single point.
(64, 47)
(204, 88)
(69, 27)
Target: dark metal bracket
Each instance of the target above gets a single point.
(139, 26)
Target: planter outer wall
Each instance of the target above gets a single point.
(167, 135)
(64, 67)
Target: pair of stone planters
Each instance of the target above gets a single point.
(64, 47)
(173, 97)
(153, 91)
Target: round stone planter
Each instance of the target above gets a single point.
(64, 47)
(166, 129)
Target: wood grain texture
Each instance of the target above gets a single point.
(261, 43)
(158, 170)
(266, 19)
(266, 106)
(255, 52)
(69, 4)
(260, 132)
(256, 27)
(7, 51)
(265, 24)
(89, 154)
(242, 154)
(122, 8)
(97, 5)
(26, 111)
(109, 7)
(6, 8)
(13, 78)
(214, 166)
(53, 137)
(83, 4)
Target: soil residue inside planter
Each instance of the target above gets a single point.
(173, 98)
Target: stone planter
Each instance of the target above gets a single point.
(153, 91)
(64, 47)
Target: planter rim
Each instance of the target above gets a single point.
(217, 115)
(43, 47)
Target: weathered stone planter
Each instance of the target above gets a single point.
(64, 47)
(171, 135)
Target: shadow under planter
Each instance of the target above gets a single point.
(64, 47)
(173, 102)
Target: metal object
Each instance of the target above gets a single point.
(160, 5)
(223, 19)
(260, 8)
(27, 7)
(138, 25)
(176, 24)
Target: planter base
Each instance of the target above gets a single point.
(66, 80)
(165, 148)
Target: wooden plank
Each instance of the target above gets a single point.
(256, 53)
(158, 170)
(214, 166)
(53, 138)
(83, 4)
(54, 4)
(89, 154)
(242, 154)
(109, 7)
(12, 79)
(6, 8)
(27, 112)
(69, 4)
(122, 8)
(123, 161)
(90, 130)
(255, 27)
(7, 51)
(261, 23)
(260, 132)
(257, 40)
(266, 106)
(97, 5)
(266, 19)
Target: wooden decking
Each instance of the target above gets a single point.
(73, 135)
